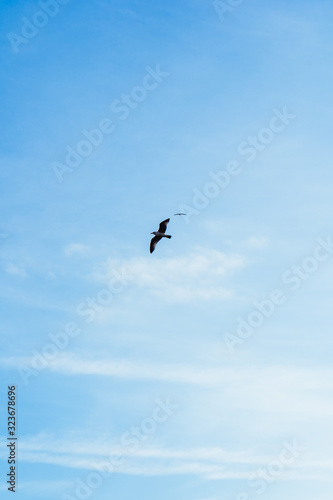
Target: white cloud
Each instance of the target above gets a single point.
(200, 275)
(209, 463)
(256, 243)
(76, 248)
(16, 270)
(279, 390)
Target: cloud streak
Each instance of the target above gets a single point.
(278, 389)
(210, 463)
(201, 275)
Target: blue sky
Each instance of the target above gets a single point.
(136, 364)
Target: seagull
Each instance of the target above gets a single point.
(159, 234)
(180, 214)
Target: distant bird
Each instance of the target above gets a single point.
(159, 235)
(180, 214)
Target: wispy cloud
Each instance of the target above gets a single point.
(256, 243)
(76, 249)
(16, 270)
(201, 275)
(210, 463)
(297, 391)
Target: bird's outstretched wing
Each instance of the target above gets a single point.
(163, 226)
(154, 242)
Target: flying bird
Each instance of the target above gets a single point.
(159, 234)
(179, 214)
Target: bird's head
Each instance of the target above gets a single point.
(154, 233)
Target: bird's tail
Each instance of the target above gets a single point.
(167, 236)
